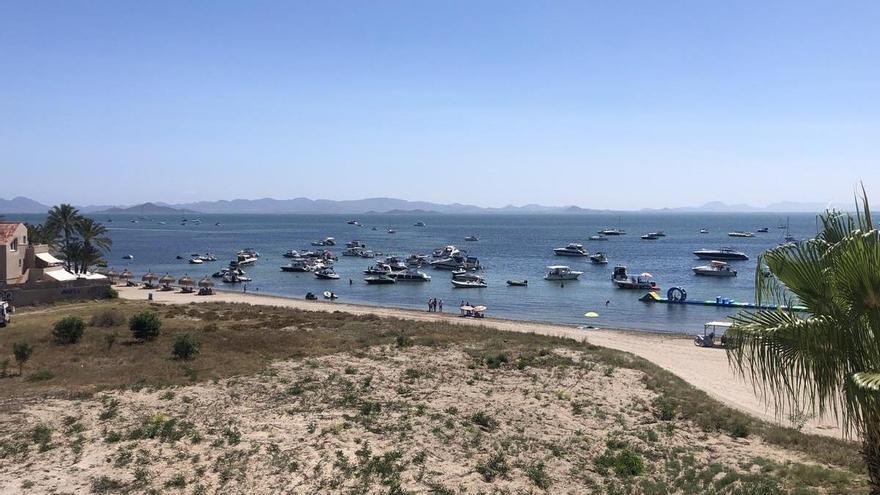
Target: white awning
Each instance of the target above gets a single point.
(48, 258)
(60, 275)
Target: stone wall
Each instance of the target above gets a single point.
(49, 292)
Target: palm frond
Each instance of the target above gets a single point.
(868, 381)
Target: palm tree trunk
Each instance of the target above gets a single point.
(871, 453)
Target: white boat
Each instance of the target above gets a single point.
(651, 236)
(209, 257)
(623, 281)
(714, 269)
(410, 275)
(463, 276)
(392, 231)
(353, 251)
(293, 253)
(572, 249)
(704, 231)
(419, 224)
(244, 260)
(329, 241)
(355, 244)
(330, 295)
(738, 233)
(472, 238)
(234, 278)
(299, 265)
(599, 237)
(196, 260)
(378, 269)
(476, 283)
(128, 257)
(366, 253)
(445, 252)
(607, 232)
(721, 254)
(326, 273)
(379, 280)
(561, 272)
(249, 252)
(599, 258)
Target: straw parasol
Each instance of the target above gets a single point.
(185, 281)
(206, 282)
(149, 277)
(166, 279)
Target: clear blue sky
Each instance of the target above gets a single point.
(600, 104)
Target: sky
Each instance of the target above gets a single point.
(599, 104)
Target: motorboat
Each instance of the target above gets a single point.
(457, 262)
(477, 283)
(763, 230)
(607, 232)
(651, 236)
(738, 233)
(599, 258)
(419, 224)
(249, 252)
(128, 257)
(379, 279)
(416, 260)
(330, 295)
(572, 249)
(659, 233)
(352, 222)
(623, 281)
(232, 277)
(518, 283)
(396, 263)
(299, 266)
(714, 269)
(726, 254)
(598, 237)
(293, 253)
(223, 271)
(378, 269)
(209, 257)
(472, 238)
(326, 273)
(410, 275)
(445, 252)
(196, 260)
(244, 260)
(366, 253)
(329, 241)
(392, 231)
(704, 231)
(561, 272)
(465, 276)
(353, 251)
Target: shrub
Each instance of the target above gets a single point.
(739, 428)
(4, 367)
(665, 408)
(145, 325)
(538, 475)
(22, 352)
(495, 362)
(109, 339)
(625, 463)
(68, 330)
(111, 317)
(484, 421)
(184, 347)
(495, 466)
(112, 293)
(40, 376)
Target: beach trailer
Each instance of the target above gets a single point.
(713, 334)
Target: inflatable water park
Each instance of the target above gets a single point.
(677, 295)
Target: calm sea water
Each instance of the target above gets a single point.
(510, 247)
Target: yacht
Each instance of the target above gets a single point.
(465, 276)
(715, 269)
(196, 260)
(250, 252)
(472, 238)
(392, 231)
(737, 233)
(355, 244)
(396, 263)
(232, 277)
(561, 272)
(327, 273)
(720, 254)
(445, 252)
(299, 265)
(380, 279)
(599, 258)
(598, 237)
(353, 251)
(763, 230)
(128, 257)
(410, 275)
(293, 253)
(378, 269)
(477, 283)
(623, 281)
(704, 231)
(329, 241)
(572, 249)
(651, 236)
(608, 232)
(419, 224)
(244, 260)
(366, 253)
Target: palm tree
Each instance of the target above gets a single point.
(39, 234)
(94, 239)
(62, 220)
(827, 360)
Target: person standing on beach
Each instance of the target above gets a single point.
(429, 305)
(441, 305)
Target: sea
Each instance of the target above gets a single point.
(510, 247)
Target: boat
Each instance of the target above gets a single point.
(465, 276)
(472, 238)
(607, 232)
(788, 237)
(714, 269)
(299, 266)
(725, 254)
(518, 283)
(326, 273)
(249, 252)
(599, 237)
(704, 231)
(292, 253)
(623, 281)
(572, 249)
(128, 257)
(196, 260)
(244, 260)
(329, 241)
(352, 222)
(392, 231)
(445, 252)
(763, 230)
(561, 272)
(738, 233)
(476, 283)
(457, 262)
(378, 269)
(410, 275)
(209, 257)
(659, 233)
(599, 258)
(233, 277)
(355, 244)
(330, 295)
(419, 224)
(379, 280)
(651, 236)
(353, 251)
(366, 253)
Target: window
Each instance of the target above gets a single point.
(14, 245)
(24, 239)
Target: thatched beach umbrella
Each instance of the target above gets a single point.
(111, 274)
(166, 279)
(149, 277)
(185, 281)
(206, 282)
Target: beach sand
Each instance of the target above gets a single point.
(705, 369)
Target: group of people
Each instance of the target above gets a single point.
(435, 305)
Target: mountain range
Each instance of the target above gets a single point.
(23, 205)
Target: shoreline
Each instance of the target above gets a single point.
(706, 369)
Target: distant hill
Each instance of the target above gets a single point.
(21, 205)
(780, 207)
(144, 209)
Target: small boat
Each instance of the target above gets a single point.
(445, 252)
(249, 252)
(330, 295)
(704, 231)
(659, 233)
(378, 269)
(209, 257)
(379, 280)
(714, 269)
(244, 260)
(466, 276)
(410, 275)
(599, 258)
(298, 266)
(572, 249)
(327, 273)
(561, 272)
(599, 237)
(196, 260)
(352, 222)
(518, 283)
(472, 238)
(624, 281)
(476, 283)
(763, 230)
(392, 231)
(738, 233)
(353, 251)
(651, 236)
(355, 244)
(419, 224)
(608, 232)
(128, 257)
(234, 278)
(720, 254)
(329, 241)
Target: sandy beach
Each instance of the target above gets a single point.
(706, 369)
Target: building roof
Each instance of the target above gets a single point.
(48, 258)
(7, 231)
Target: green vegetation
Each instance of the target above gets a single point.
(184, 347)
(145, 325)
(68, 330)
(23, 352)
(80, 239)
